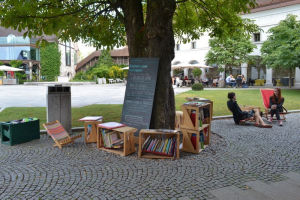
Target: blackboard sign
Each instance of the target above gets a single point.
(140, 90)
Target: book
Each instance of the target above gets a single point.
(111, 125)
(150, 145)
(158, 145)
(161, 145)
(91, 118)
(194, 140)
(168, 146)
(166, 143)
(146, 141)
(154, 144)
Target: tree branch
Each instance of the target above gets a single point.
(62, 14)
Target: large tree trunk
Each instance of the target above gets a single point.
(154, 39)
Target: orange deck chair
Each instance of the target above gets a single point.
(266, 93)
(58, 133)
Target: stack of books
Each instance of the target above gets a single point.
(160, 146)
(112, 139)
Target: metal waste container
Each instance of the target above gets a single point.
(59, 105)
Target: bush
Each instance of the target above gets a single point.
(50, 61)
(197, 86)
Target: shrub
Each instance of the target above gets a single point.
(197, 72)
(197, 86)
(50, 61)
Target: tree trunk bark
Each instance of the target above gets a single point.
(154, 39)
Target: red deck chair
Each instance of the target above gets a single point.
(266, 93)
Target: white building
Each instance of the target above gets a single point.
(69, 57)
(267, 15)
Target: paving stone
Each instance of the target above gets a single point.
(237, 155)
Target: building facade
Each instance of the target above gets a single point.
(119, 56)
(14, 47)
(267, 15)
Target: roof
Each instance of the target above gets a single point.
(272, 4)
(4, 32)
(114, 53)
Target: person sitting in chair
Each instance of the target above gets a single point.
(239, 115)
(276, 102)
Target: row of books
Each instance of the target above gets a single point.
(112, 139)
(161, 146)
(204, 116)
(202, 139)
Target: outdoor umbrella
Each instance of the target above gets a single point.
(187, 65)
(9, 69)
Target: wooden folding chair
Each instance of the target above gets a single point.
(58, 133)
(266, 94)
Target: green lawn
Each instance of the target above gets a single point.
(244, 97)
(113, 112)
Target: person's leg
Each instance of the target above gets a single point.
(276, 111)
(278, 117)
(258, 119)
(272, 114)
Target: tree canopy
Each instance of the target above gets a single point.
(102, 23)
(231, 51)
(282, 48)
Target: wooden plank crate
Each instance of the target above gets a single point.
(187, 144)
(188, 127)
(128, 136)
(187, 122)
(158, 133)
(92, 137)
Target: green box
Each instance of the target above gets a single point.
(19, 133)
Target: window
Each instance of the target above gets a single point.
(177, 47)
(192, 62)
(256, 37)
(193, 45)
(68, 53)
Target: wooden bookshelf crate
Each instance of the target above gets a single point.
(157, 134)
(128, 136)
(197, 117)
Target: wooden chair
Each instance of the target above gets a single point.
(58, 133)
(266, 94)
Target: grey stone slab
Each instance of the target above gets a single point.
(295, 177)
(226, 193)
(274, 191)
(291, 190)
(232, 192)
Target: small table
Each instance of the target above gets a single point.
(90, 128)
(128, 136)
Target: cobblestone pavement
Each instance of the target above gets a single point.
(238, 154)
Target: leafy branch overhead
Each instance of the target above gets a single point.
(102, 23)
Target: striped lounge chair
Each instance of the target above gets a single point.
(58, 133)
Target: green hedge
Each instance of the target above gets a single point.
(50, 61)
